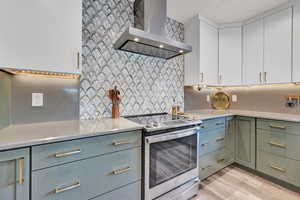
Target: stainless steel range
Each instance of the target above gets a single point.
(170, 156)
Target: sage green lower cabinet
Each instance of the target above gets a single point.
(245, 147)
(14, 175)
(89, 178)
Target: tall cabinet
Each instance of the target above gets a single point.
(296, 44)
(278, 47)
(14, 173)
(230, 56)
(201, 66)
(41, 35)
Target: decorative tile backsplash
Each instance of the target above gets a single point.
(147, 84)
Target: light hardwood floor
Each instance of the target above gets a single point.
(233, 183)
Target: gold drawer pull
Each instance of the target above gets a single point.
(221, 160)
(219, 124)
(277, 126)
(202, 126)
(21, 171)
(64, 154)
(121, 171)
(204, 144)
(60, 190)
(277, 144)
(278, 168)
(120, 143)
(204, 168)
(220, 139)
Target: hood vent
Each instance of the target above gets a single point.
(148, 36)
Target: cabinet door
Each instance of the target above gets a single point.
(208, 54)
(296, 44)
(253, 53)
(192, 74)
(41, 35)
(14, 173)
(277, 47)
(230, 56)
(245, 142)
(230, 137)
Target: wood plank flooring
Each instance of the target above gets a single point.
(233, 183)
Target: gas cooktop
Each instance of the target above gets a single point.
(161, 121)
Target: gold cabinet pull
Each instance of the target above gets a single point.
(260, 77)
(277, 144)
(204, 144)
(278, 168)
(78, 60)
(221, 160)
(64, 154)
(120, 171)
(21, 171)
(64, 189)
(265, 76)
(277, 126)
(219, 124)
(204, 168)
(120, 143)
(219, 139)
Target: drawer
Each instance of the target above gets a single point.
(129, 192)
(279, 126)
(87, 178)
(281, 144)
(212, 124)
(211, 141)
(279, 167)
(213, 162)
(59, 153)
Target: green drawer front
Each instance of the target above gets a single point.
(211, 141)
(213, 162)
(279, 167)
(213, 124)
(96, 176)
(129, 192)
(59, 153)
(281, 144)
(279, 126)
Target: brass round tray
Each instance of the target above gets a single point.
(220, 100)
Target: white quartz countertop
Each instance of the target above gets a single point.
(210, 114)
(17, 136)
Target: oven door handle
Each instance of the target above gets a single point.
(172, 135)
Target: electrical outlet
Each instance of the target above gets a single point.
(37, 99)
(234, 98)
(208, 98)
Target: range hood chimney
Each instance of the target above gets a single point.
(148, 36)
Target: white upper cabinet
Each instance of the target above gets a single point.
(230, 56)
(253, 53)
(41, 35)
(278, 47)
(296, 44)
(201, 66)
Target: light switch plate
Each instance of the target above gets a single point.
(37, 99)
(234, 98)
(208, 98)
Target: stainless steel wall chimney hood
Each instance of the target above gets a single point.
(148, 36)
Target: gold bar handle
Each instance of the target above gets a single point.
(204, 168)
(219, 139)
(277, 144)
(60, 190)
(219, 124)
(260, 77)
(278, 168)
(221, 160)
(21, 171)
(204, 144)
(277, 126)
(120, 143)
(265, 76)
(64, 154)
(78, 60)
(120, 171)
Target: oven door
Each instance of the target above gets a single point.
(171, 159)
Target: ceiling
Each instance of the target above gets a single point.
(220, 11)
